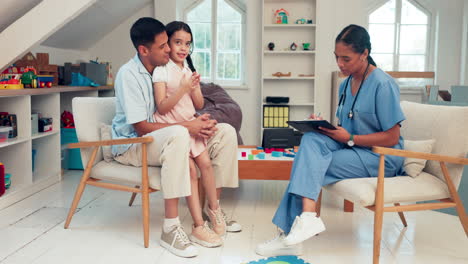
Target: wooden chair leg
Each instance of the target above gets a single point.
(379, 210)
(132, 198)
(145, 195)
(402, 216)
(453, 192)
(318, 204)
(348, 206)
(80, 188)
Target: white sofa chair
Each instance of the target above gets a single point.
(448, 125)
(89, 114)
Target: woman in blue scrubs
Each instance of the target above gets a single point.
(369, 115)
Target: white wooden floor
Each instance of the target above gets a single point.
(106, 230)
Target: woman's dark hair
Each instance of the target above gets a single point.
(144, 30)
(358, 38)
(175, 26)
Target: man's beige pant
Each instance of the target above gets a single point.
(170, 151)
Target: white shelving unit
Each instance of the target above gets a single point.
(16, 154)
(300, 89)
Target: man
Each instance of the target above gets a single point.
(170, 148)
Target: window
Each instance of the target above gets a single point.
(399, 31)
(218, 32)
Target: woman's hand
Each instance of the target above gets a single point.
(315, 117)
(340, 134)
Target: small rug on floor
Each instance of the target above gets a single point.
(279, 260)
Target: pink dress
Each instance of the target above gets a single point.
(184, 110)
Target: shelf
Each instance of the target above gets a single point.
(54, 89)
(287, 78)
(290, 25)
(292, 104)
(289, 52)
(12, 141)
(44, 134)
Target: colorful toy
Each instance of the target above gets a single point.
(259, 147)
(2, 179)
(29, 78)
(279, 260)
(281, 16)
(268, 150)
(277, 154)
(7, 180)
(244, 154)
(271, 46)
(68, 121)
(301, 21)
(251, 157)
(306, 46)
(280, 74)
(293, 46)
(261, 155)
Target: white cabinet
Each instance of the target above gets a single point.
(301, 63)
(16, 154)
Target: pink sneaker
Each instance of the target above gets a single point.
(218, 224)
(206, 237)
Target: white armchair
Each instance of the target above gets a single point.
(448, 125)
(89, 114)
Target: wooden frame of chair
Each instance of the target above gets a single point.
(145, 190)
(379, 208)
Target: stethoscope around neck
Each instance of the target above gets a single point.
(343, 97)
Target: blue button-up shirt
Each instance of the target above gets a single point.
(134, 101)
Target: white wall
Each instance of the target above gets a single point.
(116, 46)
(60, 56)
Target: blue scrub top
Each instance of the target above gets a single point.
(377, 109)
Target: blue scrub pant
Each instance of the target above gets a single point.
(319, 162)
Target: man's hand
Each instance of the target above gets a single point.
(340, 134)
(202, 126)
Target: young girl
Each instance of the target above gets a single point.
(177, 94)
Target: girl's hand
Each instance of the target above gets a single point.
(195, 81)
(340, 134)
(186, 83)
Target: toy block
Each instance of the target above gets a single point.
(244, 154)
(261, 155)
(259, 147)
(251, 157)
(268, 150)
(279, 149)
(276, 154)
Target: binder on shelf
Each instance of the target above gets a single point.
(275, 116)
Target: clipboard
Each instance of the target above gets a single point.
(311, 125)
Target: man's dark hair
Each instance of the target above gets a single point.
(144, 30)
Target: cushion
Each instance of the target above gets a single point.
(399, 189)
(412, 166)
(114, 171)
(106, 134)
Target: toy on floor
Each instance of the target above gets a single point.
(280, 259)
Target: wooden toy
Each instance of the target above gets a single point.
(280, 74)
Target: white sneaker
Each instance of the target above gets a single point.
(304, 227)
(177, 242)
(276, 247)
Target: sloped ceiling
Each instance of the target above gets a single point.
(11, 10)
(91, 25)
